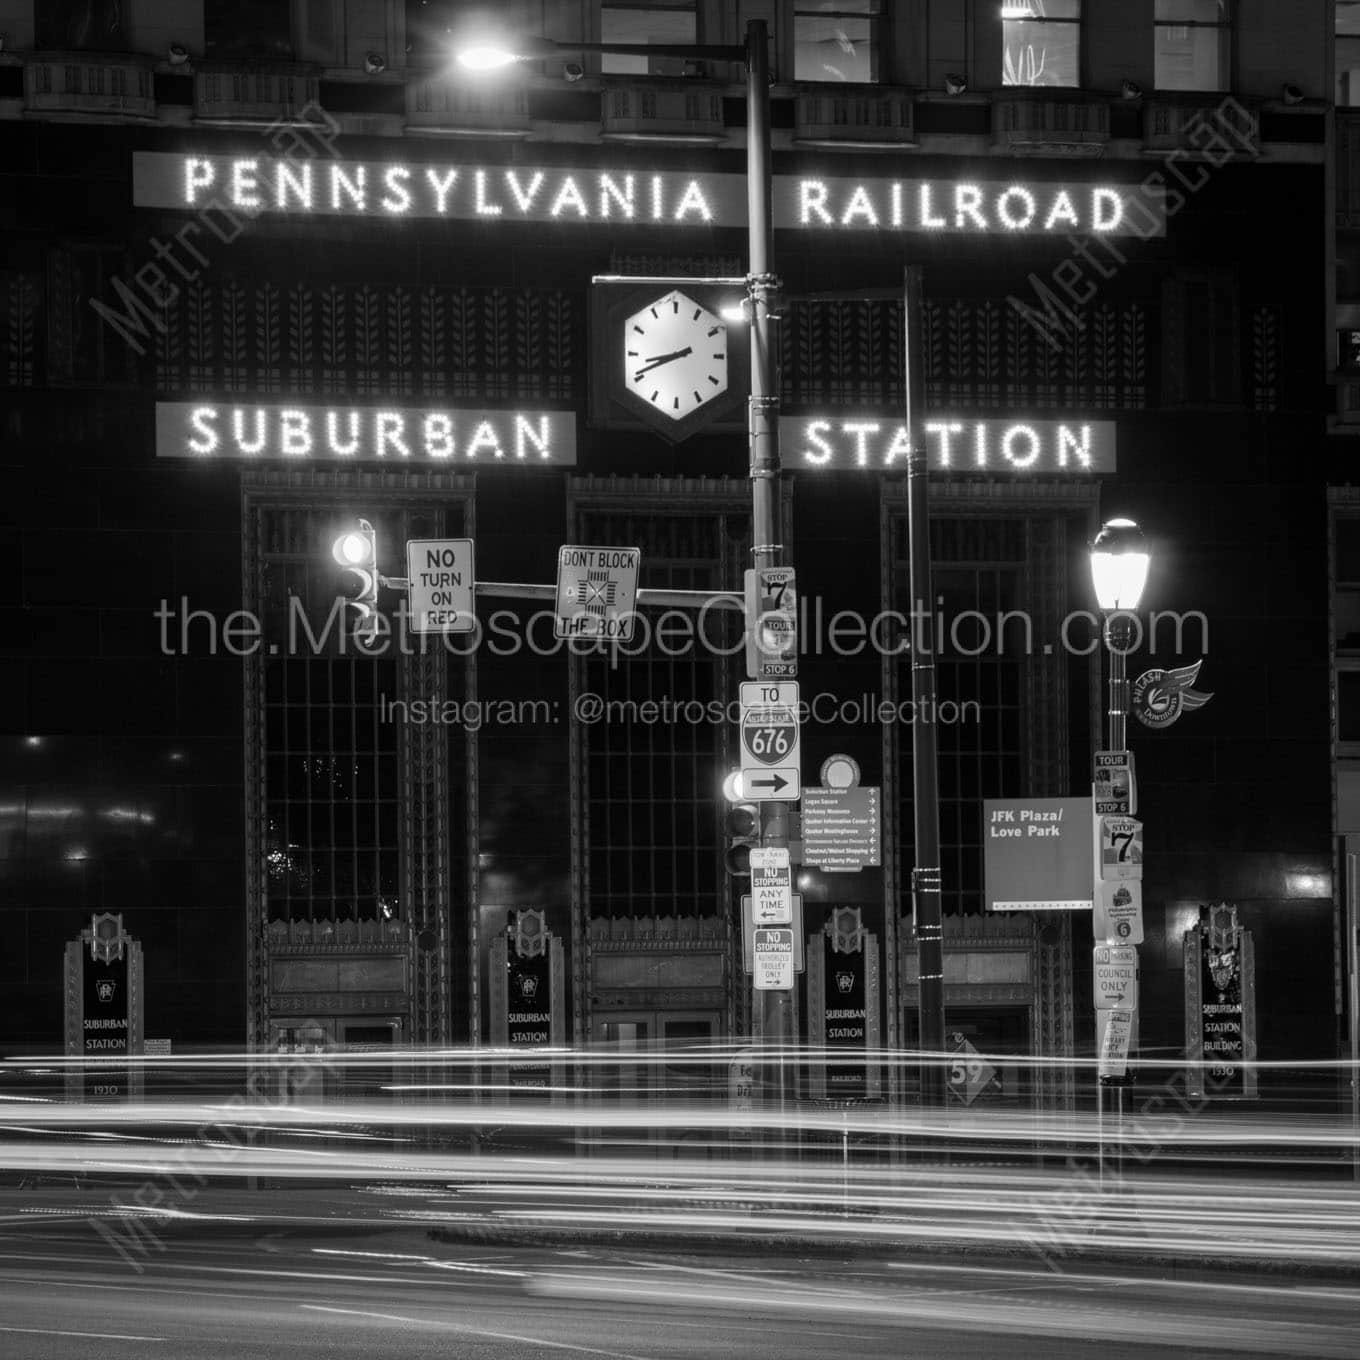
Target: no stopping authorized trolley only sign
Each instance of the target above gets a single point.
(772, 954)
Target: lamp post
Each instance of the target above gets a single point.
(1119, 568)
(775, 1008)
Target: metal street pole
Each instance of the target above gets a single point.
(775, 1008)
(925, 784)
(1118, 633)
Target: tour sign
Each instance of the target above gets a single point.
(1116, 977)
(772, 952)
(770, 754)
(771, 623)
(1113, 787)
(597, 592)
(441, 576)
(771, 886)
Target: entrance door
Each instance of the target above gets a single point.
(656, 1060)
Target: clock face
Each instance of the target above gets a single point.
(675, 355)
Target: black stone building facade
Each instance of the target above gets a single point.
(303, 860)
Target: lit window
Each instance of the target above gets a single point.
(838, 40)
(1041, 41)
(651, 23)
(1194, 44)
(1348, 53)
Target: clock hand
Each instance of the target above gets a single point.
(657, 360)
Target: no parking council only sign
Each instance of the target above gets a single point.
(1037, 854)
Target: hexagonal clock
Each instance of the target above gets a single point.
(673, 360)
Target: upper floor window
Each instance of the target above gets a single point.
(649, 22)
(838, 40)
(250, 28)
(79, 26)
(1041, 42)
(1348, 52)
(1194, 44)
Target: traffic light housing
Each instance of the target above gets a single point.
(743, 835)
(357, 551)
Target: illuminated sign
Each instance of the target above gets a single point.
(390, 190)
(209, 429)
(953, 444)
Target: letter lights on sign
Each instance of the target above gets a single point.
(1074, 446)
(206, 429)
(386, 189)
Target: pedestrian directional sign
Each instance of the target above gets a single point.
(770, 747)
(441, 578)
(771, 886)
(597, 592)
(1116, 977)
(772, 952)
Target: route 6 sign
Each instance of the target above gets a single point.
(770, 746)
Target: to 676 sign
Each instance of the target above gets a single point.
(770, 755)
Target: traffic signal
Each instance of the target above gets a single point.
(743, 834)
(357, 551)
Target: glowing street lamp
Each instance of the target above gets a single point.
(769, 548)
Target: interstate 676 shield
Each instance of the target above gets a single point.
(770, 755)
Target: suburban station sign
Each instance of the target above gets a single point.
(392, 434)
(392, 190)
(952, 444)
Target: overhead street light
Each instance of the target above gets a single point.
(775, 1008)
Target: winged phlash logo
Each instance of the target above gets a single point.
(1160, 697)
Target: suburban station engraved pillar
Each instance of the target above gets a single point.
(842, 1007)
(104, 1012)
(527, 996)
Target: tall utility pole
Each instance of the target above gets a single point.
(925, 780)
(775, 1008)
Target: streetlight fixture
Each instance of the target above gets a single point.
(1119, 569)
(762, 288)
